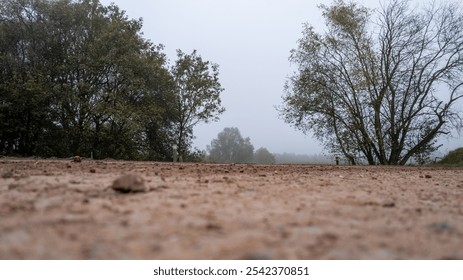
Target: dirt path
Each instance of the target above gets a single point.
(58, 209)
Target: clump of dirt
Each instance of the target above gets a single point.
(128, 183)
(53, 209)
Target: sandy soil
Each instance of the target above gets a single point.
(59, 209)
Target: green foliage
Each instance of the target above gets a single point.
(231, 147)
(263, 156)
(454, 158)
(380, 89)
(197, 90)
(195, 156)
(77, 77)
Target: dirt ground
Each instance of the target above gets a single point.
(60, 209)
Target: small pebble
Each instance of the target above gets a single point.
(129, 183)
(389, 205)
(76, 159)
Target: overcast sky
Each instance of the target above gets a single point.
(251, 41)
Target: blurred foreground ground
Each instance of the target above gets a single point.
(58, 209)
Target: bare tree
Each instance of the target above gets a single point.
(381, 88)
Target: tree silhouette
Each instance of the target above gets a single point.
(231, 147)
(383, 88)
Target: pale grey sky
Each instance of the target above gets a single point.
(251, 41)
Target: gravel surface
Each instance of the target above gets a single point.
(67, 209)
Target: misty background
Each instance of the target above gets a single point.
(251, 41)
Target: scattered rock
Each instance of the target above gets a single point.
(427, 176)
(389, 205)
(125, 223)
(441, 227)
(92, 170)
(129, 183)
(13, 186)
(76, 159)
(162, 186)
(213, 226)
(7, 175)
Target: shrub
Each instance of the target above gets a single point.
(454, 157)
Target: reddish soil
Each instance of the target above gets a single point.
(61, 209)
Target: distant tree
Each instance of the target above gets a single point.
(263, 156)
(454, 157)
(231, 147)
(197, 90)
(380, 88)
(286, 158)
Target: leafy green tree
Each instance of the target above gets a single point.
(106, 96)
(263, 156)
(76, 77)
(381, 88)
(231, 147)
(23, 79)
(197, 90)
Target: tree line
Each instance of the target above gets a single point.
(231, 147)
(78, 78)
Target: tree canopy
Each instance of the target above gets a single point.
(197, 90)
(263, 156)
(78, 78)
(379, 85)
(231, 147)
(454, 157)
